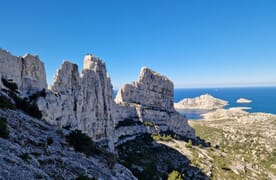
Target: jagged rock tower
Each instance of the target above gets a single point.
(82, 101)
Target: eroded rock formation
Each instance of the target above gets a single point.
(27, 72)
(150, 101)
(85, 100)
(82, 101)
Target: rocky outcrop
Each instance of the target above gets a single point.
(82, 101)
(243, 100)
(37, 150)
(27, 72)
(206, 101)
(150, 102)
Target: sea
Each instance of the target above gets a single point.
(263, 98)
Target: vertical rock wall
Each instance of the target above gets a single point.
(82, 101)
(27, 72)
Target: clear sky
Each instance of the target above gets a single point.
(196, 43)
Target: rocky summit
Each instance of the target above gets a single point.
(150, 102)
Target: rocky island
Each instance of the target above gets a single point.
(206, 102)
(243, 100)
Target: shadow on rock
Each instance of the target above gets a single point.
(148, 159)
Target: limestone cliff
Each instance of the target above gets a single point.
(85, 100)
(27, 72)
(150, 102)
(82, 101)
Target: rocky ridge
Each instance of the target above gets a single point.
(85, 100)
(205, 101)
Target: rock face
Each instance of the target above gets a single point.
(206, 101)
(243, 100)
(26, 154)
(27, 72)
(150, 101)
(82, 101)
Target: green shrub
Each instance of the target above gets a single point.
(189, 144)
(149, 124)
(25, 156)
(27, 106)
(50, 141)
(175, 175)
(4, 132)
(82, 143)
(82, 177)
(162, 137)
(10, 85)
(5, 103)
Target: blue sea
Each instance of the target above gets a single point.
(263, 98)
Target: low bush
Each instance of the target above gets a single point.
(4, 131)
(25, 156)
(82, 143)
(50, 141)
(162, 137)
(26, 105)
(6, 103)
(175, 175)
(189, 144)
(10, 85)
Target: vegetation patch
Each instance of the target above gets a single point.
(5, 103)
(4, 131)
(84, 144)
(149, 160)
(161, 137)
(175, 175)
(10, 85)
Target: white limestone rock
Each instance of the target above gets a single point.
(243, 101)
(205, 101)
(82, 101)
(27, 72)
(151, 98)
(157, 91)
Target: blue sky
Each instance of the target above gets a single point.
(196, 43)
